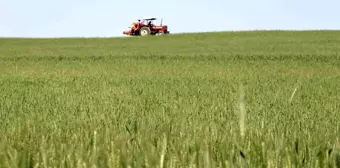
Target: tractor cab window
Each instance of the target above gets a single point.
(147, 22)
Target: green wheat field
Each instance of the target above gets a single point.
(233, 99)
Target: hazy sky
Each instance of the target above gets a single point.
(85, 18)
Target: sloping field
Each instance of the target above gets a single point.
(260, 99)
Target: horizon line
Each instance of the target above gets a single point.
(178, 33)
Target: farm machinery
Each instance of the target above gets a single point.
(146, 27)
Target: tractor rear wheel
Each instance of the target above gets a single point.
(144, 31)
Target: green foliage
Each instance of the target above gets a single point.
(237, 99)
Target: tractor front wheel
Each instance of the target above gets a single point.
(144, 31)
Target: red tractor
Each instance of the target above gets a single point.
(146, 27)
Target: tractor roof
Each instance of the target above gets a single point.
(149, 18)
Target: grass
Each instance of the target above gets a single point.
(237, 99)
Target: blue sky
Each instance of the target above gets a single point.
(108, 18)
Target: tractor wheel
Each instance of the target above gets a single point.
(144, 31)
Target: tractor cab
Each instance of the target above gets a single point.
(147, 21)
